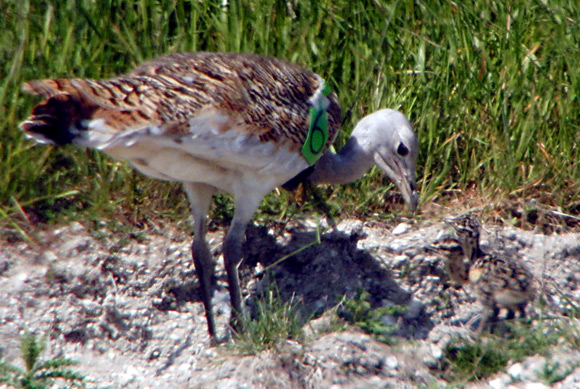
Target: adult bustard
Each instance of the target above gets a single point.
(237, 123)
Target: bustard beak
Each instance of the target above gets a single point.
(402, 172)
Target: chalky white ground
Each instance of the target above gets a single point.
(132, 317)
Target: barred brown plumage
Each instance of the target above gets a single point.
(220, 122)
(498, 281)
(455, 264)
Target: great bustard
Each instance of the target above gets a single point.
(498, 281)
(237, 123)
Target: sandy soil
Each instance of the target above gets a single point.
(130, 313)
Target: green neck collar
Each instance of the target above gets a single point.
(318, 130)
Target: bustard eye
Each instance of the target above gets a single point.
(402, 150)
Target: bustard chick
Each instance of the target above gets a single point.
(455, 264)
(498, 282)
(236, 123)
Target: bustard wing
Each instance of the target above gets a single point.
(201, 102)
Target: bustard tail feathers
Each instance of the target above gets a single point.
(54, 120)
(85, 112)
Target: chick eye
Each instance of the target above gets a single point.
(402, 150)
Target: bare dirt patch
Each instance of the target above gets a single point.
(131, 314)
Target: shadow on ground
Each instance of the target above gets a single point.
(323, 274)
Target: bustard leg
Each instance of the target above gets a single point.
(511, 314)
(522, 309)
(246, 205)
(200, 196)
(489, 316)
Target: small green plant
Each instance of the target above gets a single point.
(570, 330)
(478, 359)
(38, 374)
(358, 311)
(275, 321)
(552, 372)
(474, 360)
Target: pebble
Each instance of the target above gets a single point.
(515, 371)
(414, 310)
(401, 229)
(499, 383)
(295, 347)
(48, 257)
(349, 226)
(392, 362)
(73, 245)
(399, 260)
(398, 245)
(436, 352)
(76, 227)
(535, 385)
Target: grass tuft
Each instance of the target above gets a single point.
(275, 321)
(474, 360)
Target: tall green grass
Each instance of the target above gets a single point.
(492, 88)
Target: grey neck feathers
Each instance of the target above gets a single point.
(348, 165)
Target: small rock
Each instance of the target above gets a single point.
(436, 352)
(499, 383)
(184, 367)
(91, 308)
(48, 257)
(76, 227)
(389, 320)
(310, 223)
(350, 226)
(401, 229)
(398, 245)
(295, 347)
(392, 362)
(414, 309)
(515, 371)
(535, 385)
(399, 261)
(412, 252)
(155, 354)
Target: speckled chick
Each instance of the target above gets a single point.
(455, 264)
(497, 281)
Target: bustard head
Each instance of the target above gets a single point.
(388, 134)
(384, 138)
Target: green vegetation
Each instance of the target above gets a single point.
(477, 359)
(552, 372)
(39, 374)
(276, 321)
(491, 86)
(358, 311)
